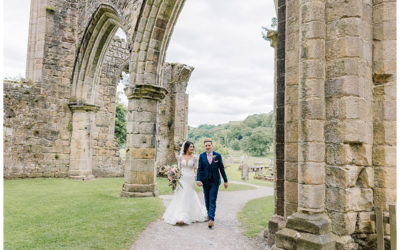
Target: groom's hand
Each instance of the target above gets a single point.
(199, 183)
(226, 185)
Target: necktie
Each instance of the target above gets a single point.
(209, 157)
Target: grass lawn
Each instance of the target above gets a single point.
(255, 215)
(68, 214)
(163, 188)
(234, 174)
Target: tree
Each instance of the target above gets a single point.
(258, 143)
(120, 124)
(218, 147)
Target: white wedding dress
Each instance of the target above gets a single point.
(185, 205)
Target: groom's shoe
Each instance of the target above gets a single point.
(210, 224)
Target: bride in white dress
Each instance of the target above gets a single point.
(185, 207)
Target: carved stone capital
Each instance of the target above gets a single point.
(273, 35)
(145, 91)
(83, 106)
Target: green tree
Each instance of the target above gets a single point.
(258, 143)
(120, 124)
(217, 147)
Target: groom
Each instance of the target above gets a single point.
(210, 165)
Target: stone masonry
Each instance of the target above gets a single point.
(173, 114)
(340, 122)
(335, 107)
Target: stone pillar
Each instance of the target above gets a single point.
(140, 173)
(384, 108)
(83, 116)
(277, 221)
(181, 108)
(310, 227)
(349, 130)
(173, 113)
(36, 40)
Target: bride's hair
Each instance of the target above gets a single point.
(186, 147)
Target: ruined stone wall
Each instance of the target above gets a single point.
(173, 113)
(106, 159)
(33, 147)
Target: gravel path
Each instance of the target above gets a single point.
(226, 233)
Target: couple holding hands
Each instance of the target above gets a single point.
(185, 207)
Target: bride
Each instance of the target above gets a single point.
(185, 206)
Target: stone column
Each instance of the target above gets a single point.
(173, 113)
(310, 227)
(83, 116)
(277, 221)
(140, 172)
(384, 109)
(349, 130)
(36, 40)
(181, 109)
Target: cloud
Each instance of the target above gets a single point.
(16, 28)
(234, 66)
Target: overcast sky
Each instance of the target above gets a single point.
(234, 66)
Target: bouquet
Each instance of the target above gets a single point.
(174, 174)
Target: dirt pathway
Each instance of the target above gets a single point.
(226, 233)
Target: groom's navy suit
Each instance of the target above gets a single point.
(209, 175)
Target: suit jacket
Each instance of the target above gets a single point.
(217, 166)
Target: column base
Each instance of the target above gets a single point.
(82, 177)
(306, 231)
(138, 194)
(139, 190)
(274, 225)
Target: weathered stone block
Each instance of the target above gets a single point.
(349, 199)
(384, 155)
(291, 169)
(311, 223)
(291, 152)
(320, 242)
(339, 9)
(312, 131)
(313, 48)
(141, 141)
(315, 29)
(383, 197)
(347, 154)
(142, 153)
(291, 132)
(286, 238)
(290, 192)
(139, 177)
(384, 132)
(364, 223)
(312, 173)
(311, 197)
(385, 177)
(343, 223)
(311, 151)
(290, 208)
(342, 86)
(133, 164)
(312, 11)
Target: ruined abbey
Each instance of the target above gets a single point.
(335, 108)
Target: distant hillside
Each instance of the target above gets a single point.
(253, 135)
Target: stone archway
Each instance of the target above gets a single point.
(98, 36)
(152, 34)
(335, 106)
